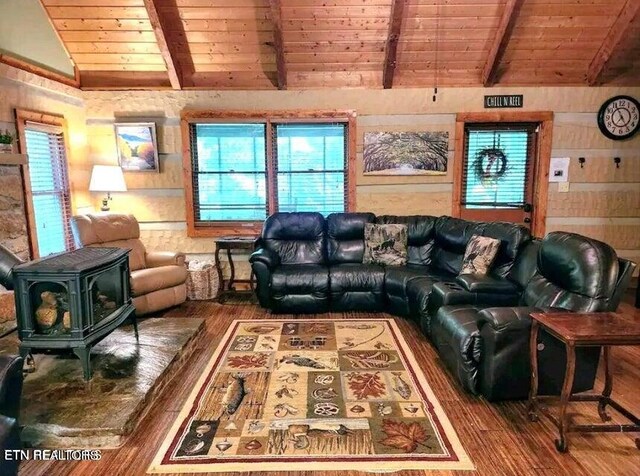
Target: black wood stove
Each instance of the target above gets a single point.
(72, 300)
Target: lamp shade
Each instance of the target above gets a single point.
(107, 178)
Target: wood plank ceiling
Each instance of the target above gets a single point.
(300, 44)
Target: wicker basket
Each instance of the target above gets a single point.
(202, 280)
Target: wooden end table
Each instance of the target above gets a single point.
(230, 244)
(605, 329)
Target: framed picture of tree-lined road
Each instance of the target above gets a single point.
(406, 153)
(137, 146)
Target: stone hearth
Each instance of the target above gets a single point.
(61, 410)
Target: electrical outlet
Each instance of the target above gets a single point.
(563, 187)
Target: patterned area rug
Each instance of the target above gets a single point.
(294, 395)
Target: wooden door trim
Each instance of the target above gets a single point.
(541, 184)
(543, 159)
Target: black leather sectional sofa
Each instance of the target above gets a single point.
(306, 263)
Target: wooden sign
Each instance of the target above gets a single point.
(503, 100)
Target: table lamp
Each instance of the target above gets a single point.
(107, 178)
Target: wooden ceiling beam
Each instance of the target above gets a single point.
(500, 42)
(278, 42)
(615, 38)
(391, 47)
(116, 80)
(168, 49)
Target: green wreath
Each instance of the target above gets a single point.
(490, 165)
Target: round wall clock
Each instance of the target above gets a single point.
(619, 117)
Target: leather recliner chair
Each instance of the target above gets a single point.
(10, 392)
(353, 285)
(290, 264)
(487, 348)
(158, 278)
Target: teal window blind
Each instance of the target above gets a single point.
(229, 172)
(311, 162)
(498, 163)
(50, 194)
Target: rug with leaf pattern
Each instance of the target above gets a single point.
(308, 395)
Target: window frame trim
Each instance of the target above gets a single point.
(22, 116)
(188, 117)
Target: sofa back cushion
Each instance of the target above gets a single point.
(296, 237)
(573, 272)
(451, 238)
(111, 230)
(345, 236)
(420, 235)
(512, 238)
(453, 234)
(526, 263)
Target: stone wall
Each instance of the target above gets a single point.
(13, 220)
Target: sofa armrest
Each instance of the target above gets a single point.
(263, 263)
(505, 368)
(482, 283)
(10, 384)
(447, 293)
(506, 318)
(156, 259)
(265, 256)
(504, 340)
(511, 318)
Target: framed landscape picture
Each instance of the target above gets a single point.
(406, 153)
(137, 146)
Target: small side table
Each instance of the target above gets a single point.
(604, 329)
(230, 244)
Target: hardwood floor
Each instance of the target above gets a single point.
(498, 437)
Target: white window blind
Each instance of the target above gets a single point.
(49, 188)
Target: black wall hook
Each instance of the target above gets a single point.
(582, 160)
(617, 161)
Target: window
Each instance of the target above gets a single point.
(498, 162)
(50, 199)
(311, 164)
(240, 170)
(229, 172)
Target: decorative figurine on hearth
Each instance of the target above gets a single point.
(47, 312)
(53, 310)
